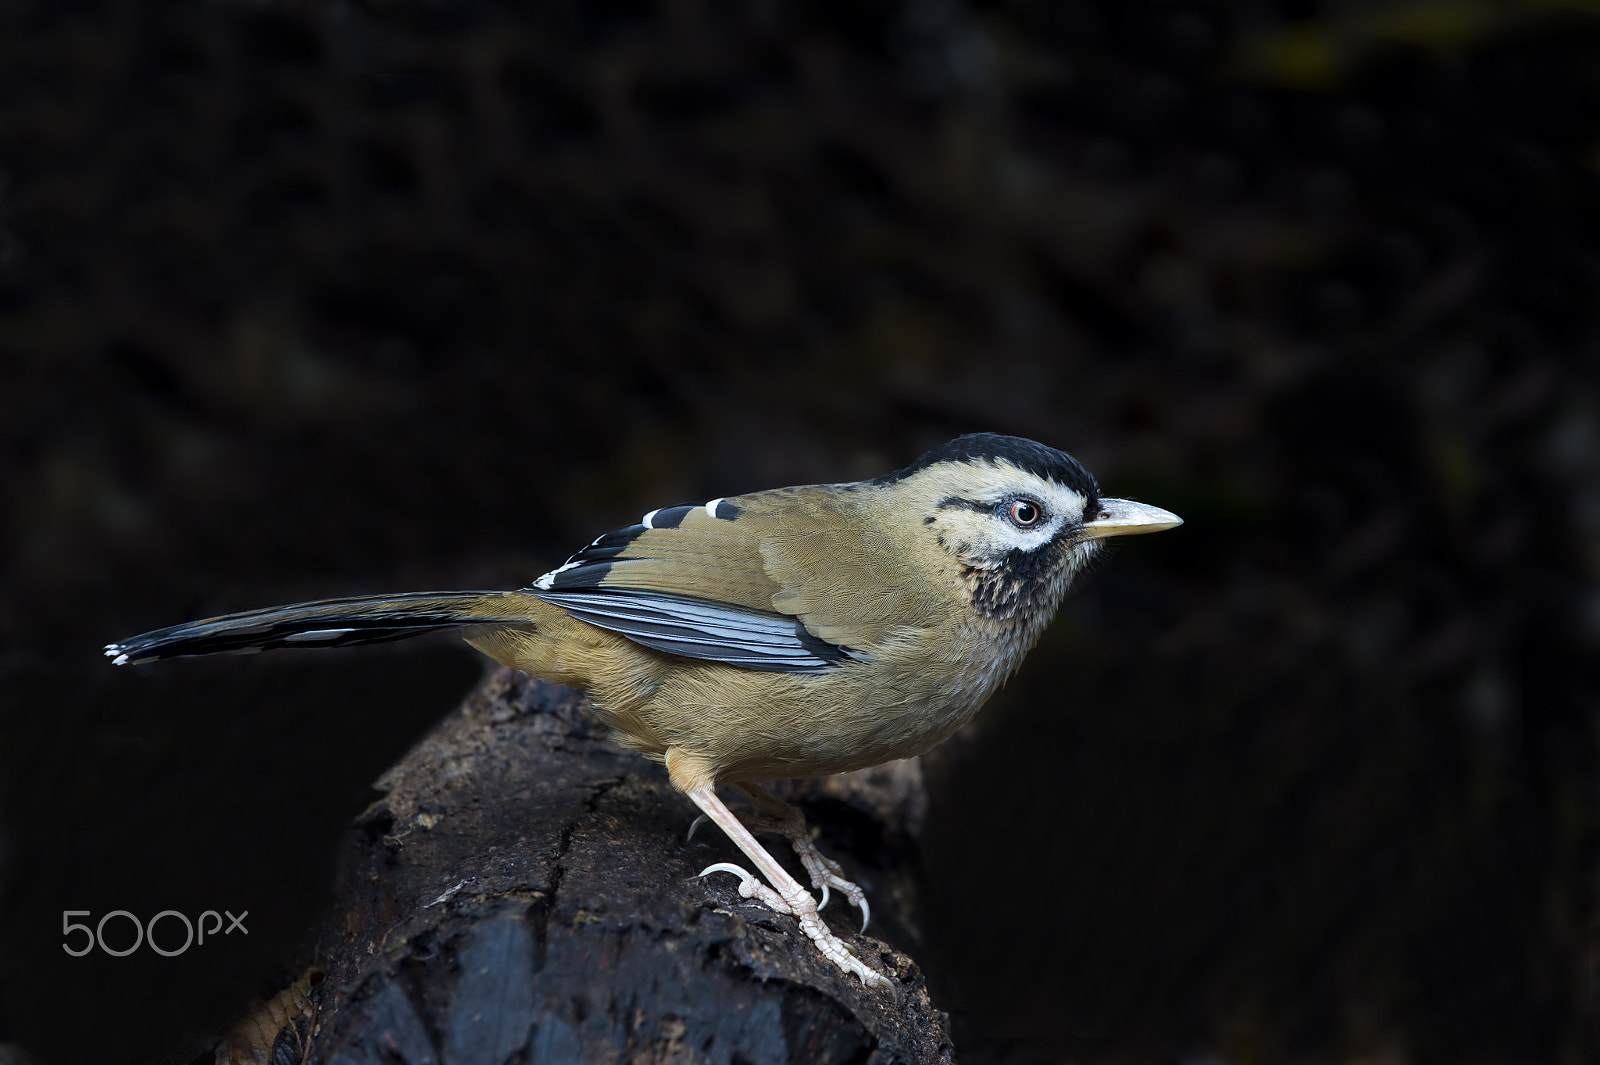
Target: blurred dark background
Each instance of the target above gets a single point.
(307, 299)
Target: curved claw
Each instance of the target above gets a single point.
(751, 887)
(744, 875)
(823, 905)
(692, 826)
(830, 874)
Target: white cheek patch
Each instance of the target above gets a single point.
(1012, 538)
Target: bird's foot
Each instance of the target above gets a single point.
(803, 908)
(825, 873)
(786, 820)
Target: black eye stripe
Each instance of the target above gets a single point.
(1002, 509)
(965, 504)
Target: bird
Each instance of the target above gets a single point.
(794, 632)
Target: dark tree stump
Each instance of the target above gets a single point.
(525, 892)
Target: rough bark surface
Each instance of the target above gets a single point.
(525, 891)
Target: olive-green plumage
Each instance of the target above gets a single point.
(794, 632)
(836, 558)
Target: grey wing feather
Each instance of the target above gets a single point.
(697, 628)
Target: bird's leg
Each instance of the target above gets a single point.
(785, 895)
(786, 820)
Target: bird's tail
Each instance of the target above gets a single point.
(329, 623)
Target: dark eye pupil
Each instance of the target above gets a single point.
(1024, 512)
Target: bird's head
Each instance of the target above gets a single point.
(1022, 519)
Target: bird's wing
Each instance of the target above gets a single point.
(841, 571)
(764, 581)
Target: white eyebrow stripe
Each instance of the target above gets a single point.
(648, 518)
(711, 507)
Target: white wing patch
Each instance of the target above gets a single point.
(313, 635)
(549, 578)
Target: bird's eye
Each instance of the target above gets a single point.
(1024, 513)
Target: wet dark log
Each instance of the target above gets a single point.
(526, 891)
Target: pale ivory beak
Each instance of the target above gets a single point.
(1124, 517)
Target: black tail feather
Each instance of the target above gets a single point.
(325, 623)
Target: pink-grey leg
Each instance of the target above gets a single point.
(786, 820)
(785, 893)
